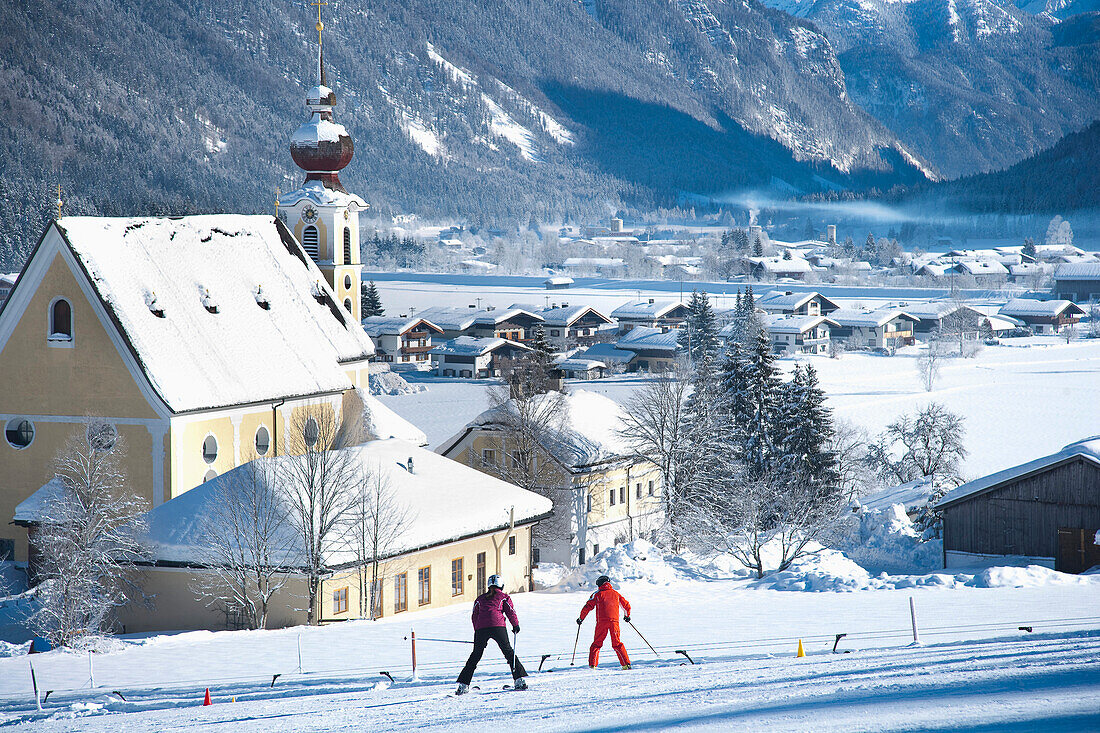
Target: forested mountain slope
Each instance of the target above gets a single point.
(501, 110)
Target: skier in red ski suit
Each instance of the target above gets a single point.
(606, 601)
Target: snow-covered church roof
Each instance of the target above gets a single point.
(445, 501)
(219, 310)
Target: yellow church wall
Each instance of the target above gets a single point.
(323, 247)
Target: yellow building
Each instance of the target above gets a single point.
(198, 338)
(603, 493)
(460, 527)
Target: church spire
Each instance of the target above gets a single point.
(320, 43)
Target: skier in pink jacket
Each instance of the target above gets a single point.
(488, 617)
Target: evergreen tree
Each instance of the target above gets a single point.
(760, 387)
(757, 248)
(371, 301)
(804, 430)
(544, 350)
(1029, 248)
(699, 334)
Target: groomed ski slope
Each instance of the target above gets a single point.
(975, 670)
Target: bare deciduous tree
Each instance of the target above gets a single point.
(249, 543)
(928, 364)
(929, 443)
(89, 538)
(320, 481)
(849, 445)
(378, 521)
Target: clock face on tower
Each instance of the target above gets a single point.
(309, 215)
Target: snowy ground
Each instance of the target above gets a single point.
(976, 670)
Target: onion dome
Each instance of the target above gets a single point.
(320, 146)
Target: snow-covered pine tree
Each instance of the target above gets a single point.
(761, 393)
(804, 430)
(371, 302)
(544, 350)
(699, 334)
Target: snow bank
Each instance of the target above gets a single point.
(392, 383)
(885, 540)
(641, 562)
(14, 650)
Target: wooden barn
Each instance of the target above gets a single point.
(1047, 510)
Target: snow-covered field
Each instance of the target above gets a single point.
(974, 670)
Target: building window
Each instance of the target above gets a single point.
(517, 460)
(638, 490)
(512, 545)
(211, 474)
(534, 556)
(347, 304)
(588, 506)
(19, 432)
(595, 549)
(340, 600)
(347, 249)
(61, 321)
(611, 497)
(651, 488)
(488, 457)
(311, 433)
(210, 449)
(263, 441)
(481, 578)
(400, 592)
(458, 584)
(347, 282)
(424, 585)
(555, 333)
(580, 556)
(311, 242)
(622, 494)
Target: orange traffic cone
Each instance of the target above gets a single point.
(206, 700)
(801, 651)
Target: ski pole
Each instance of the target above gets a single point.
(515, 656)
(643, 638)
(575, 641)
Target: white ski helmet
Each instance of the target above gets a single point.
(495, 581)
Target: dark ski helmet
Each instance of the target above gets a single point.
(601, 580)
(495, 581)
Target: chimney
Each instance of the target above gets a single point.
(410, 464)
(830, 235)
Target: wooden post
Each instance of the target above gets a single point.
(913, 616)
(412, 636)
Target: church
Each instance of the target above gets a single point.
(203, 340)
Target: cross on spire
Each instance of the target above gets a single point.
(320, 46)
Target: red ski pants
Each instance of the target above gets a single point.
(602, 627)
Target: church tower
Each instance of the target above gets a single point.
(322, 214)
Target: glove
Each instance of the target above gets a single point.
(626, 618)
(515, 629)
(580, 621)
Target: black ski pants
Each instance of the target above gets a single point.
(499, 634)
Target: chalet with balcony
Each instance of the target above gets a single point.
(655, 351)
(796, 304)
(945, 315)
(514, 324)
(662, 315)
(886, 328)
(1043, 316)
(568, 326)
(799, 334)
(402, 342)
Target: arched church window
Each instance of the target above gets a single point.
(347, 304)
(61, 321)
(311, 242)
(347, 246)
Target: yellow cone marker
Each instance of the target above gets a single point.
(801, 651)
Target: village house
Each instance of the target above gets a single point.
(1046, 510)
(474, 358)
(767, 268)
(796, 304)
(612, 357)
(986, 273)
(1043, 316)
(559, 282)
(514, 324)
(886, 328)
(569, 326)
(798, 334)
(659, 314)
(655, 351)
(604, 494)
(401, 342)
(7, 282)
(1078, 283)
(580, 368)
(940, 315)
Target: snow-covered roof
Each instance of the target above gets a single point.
(1088, 449)
(1001, 322)
(934, 310)
(641, 338)
(183, 269)
(473, 346)
(1024, 307)
(445, 500)
(392, 326)
(8, 278)
(787, 300)
(794, 324)
(318, 193)
(31, 509)
(563, 315)
(579, 364)
(935, 269)
(381, 422)
(559, 280)
(982, 267)
(594, 262)
(459, 319)
(911, 495)
(318, 130)
(606, 353)
(1031, 268)
(588, 433)
(778, 264)
(1078, 271)
(646, 309)
(868, 319)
